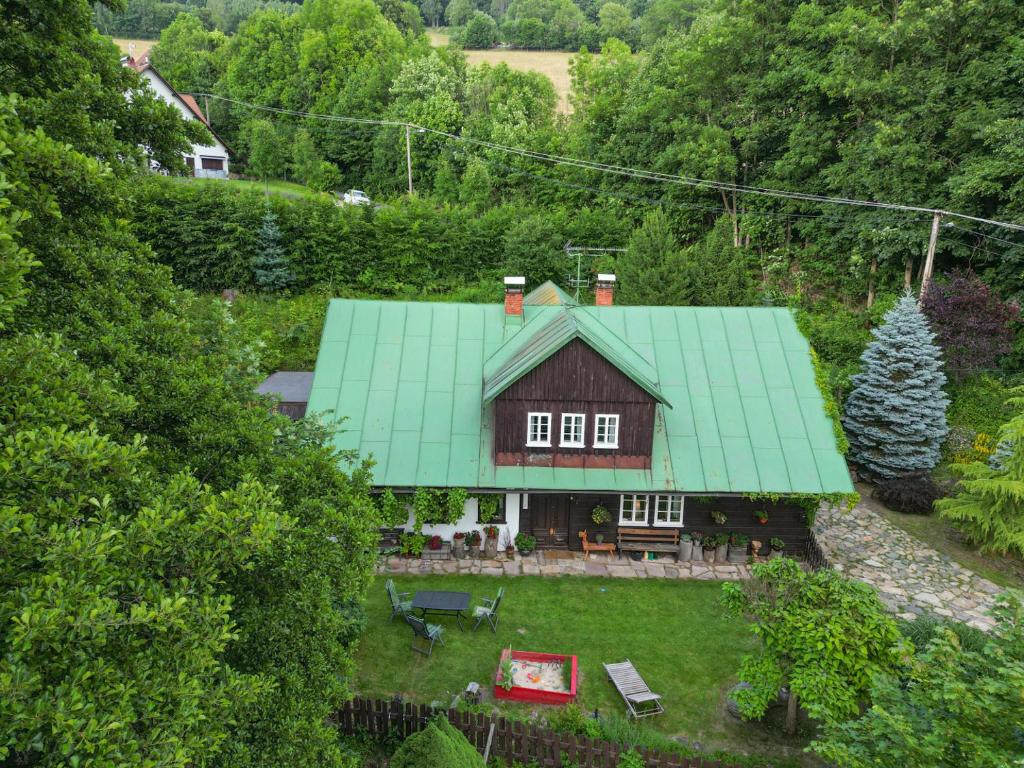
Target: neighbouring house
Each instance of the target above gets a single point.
(204, 160)
(290, 389)
(668, 417)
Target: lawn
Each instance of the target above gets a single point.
(675, 632)
(274, 186)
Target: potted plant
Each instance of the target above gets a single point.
(738, 548)
(412, 544)
(762, 516)
(474, 543)
(710, 543)
(600, 515)
(491, 541)
(525, 543)
(510, 550)
(435, 543)
(698, 545)
(719, 517)
(721, 548)
(685, 547)
(777, 545)
(459, 545)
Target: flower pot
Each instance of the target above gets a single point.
(525, 552)
(490, 548)
(685, 550)
(459, 548)
(775, 553)
(709, 554)
(474, 550)
(698, 551)
(599, 538)
(721, 553)
(737, 554)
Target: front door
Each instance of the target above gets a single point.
(549, 514)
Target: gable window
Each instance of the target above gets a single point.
(538, 430)
(606, 430)
(668, 509)
(572, 430)
(633, 508)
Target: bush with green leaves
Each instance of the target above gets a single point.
(956, 705)
(439, 745)
(913, 494)
(988, 501)
(823, 637)
(895, 417)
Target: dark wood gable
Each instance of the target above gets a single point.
(576, 379)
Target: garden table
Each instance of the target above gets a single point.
(437, 601)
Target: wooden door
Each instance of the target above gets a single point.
(549, 516)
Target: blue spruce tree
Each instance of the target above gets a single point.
(896, 414)
(270, 263)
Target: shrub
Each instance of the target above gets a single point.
(572, 719)
(439, 745)
(913, 494)
(924, 629)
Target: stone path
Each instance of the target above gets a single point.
(570, 564)
(911, 578)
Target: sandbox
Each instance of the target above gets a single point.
(541, 678)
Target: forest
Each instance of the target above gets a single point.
(183, 571)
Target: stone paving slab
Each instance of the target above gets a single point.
(911, 578)
(600, 565)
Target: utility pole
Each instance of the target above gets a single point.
(206, 101)
(408, 158)
(929, 259)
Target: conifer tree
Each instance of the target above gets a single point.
(650, 271)
(270, 264)
(896, 414)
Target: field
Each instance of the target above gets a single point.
(676, 633)
(553, 64)
(141, 46)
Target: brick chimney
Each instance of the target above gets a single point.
(605, 291)
(514, 297)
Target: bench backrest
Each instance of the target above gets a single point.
(649, 534)
(497, 600)
(419, 626)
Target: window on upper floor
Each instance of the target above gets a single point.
(606, 430)
(538, 430)
(633, 508)
(573, 430)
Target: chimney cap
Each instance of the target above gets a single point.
(520, 281)
(605, 277)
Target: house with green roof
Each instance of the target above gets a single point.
(669, 417)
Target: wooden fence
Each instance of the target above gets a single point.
(498, 737)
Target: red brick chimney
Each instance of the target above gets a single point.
(514, 296)
(605, 291)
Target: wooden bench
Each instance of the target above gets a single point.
(593, 546)
(649, 540)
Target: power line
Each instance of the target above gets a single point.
(627, 171)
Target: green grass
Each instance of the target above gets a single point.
(675, 632)
(275, 186)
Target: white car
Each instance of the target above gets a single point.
(356, 197)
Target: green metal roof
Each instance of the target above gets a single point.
(547, 331)
(548, 293)
(406, 380)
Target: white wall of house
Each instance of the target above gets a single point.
(215, 151)
(469, 523)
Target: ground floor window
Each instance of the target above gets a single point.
(500, 516)
(213, 163)
(633, 509)
(668, 509)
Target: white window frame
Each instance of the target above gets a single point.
(668, 499)
(581, 418)
(608, 418)
(541, 416)
(633, 498)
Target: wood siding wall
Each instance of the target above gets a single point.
(576, 379)
(786, 520)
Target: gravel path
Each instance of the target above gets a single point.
(910, 577)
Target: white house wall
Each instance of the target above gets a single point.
(468, 522)
(199, 151)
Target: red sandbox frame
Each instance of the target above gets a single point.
(534, 695)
